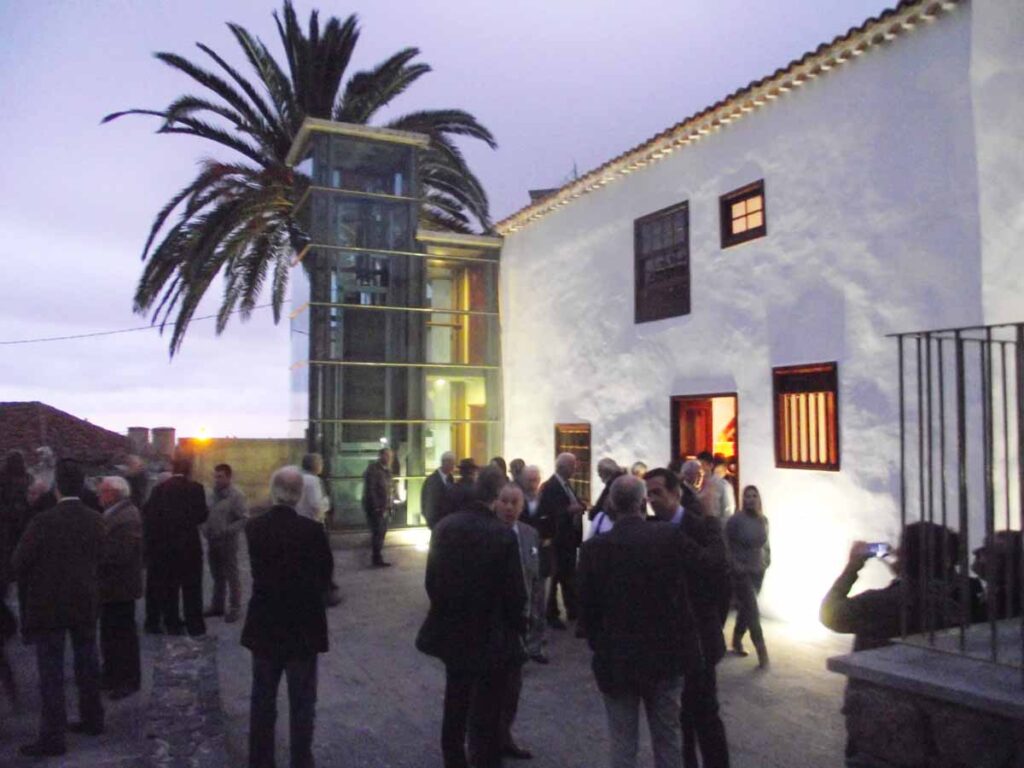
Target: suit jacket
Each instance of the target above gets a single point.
(171, 520)
(708, 581)
(477, 593)
(120, 570)
(635, 605)
(291, 570)
(57, 564)
(434, 498)
(554, 515)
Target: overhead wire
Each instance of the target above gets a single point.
(95, 334)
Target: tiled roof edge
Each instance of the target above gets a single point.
(874, 32)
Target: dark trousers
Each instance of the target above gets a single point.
(378, 522)
(511, 690)
(300, 672)
(153, 621)
(564, 575)
(171, 582)
(50, 662)
(701, 723)
(119, 645)
(472, 700)
(746, 587)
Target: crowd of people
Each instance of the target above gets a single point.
(647, 581)
(511, 560)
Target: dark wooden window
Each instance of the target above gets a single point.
(807, 416)
(575, 439)
(661, 252)
(743, 214)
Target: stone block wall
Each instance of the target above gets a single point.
(896, 729)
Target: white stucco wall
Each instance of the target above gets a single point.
(997, 74)
(871, 189)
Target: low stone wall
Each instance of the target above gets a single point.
(184, 719)
(913, 705)
(895, 730)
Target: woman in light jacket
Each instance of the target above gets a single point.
(750, 555)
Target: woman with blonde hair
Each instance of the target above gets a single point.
(749, 555)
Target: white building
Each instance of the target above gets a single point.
(882, 180)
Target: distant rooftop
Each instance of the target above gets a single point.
(27, 426)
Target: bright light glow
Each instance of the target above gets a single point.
(440, 383)
(383, 441)
(204, 435)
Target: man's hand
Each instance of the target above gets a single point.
(860, 553)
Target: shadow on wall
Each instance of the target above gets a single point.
(808, 326)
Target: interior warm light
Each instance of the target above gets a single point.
(440, 383)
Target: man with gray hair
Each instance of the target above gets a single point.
(600, 518)
(286, 624)
(120, 585)
(635, 607)
(558, 502)
(434, 498)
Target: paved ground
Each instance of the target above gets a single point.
(380, 700)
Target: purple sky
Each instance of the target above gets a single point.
(559, 83)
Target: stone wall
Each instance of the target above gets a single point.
(895, 730)
(252, 459)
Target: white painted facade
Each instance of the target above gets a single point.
(891, 206)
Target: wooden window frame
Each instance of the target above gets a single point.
(579, 482)
(827, 374)
(725, 203)
(678, 304)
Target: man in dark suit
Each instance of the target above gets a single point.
(559, 504)
(434, 497)
(508, 509)
(377, 503)
(56, 563)
(708, 577)
(635, 607)
(286, 625)
(120, 586)
(477, 612)
(174, 554)
(536, 634)
(463, 492)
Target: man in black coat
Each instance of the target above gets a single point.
(377, 503)
(558, 503)
(174, 554)
(57, 566)
(286, 624)
(435, 496)
(477, 612)
(708, 579)
(635, 606)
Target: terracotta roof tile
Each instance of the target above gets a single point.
(30, 425)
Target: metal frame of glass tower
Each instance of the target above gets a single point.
(394, 330)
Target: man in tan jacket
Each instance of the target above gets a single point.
(120, 585)
(228, 515)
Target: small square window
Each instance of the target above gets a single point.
(743, 214)
(806, 416)
(575, 439)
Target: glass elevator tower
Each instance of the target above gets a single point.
(394, 330)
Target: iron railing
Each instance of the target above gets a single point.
(961, 399)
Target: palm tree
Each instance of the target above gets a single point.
(237, 217)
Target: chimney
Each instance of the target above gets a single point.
(138, 439)
(163, 441)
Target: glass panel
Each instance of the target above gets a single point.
(755, 220)
(362, 165)
(738, 226)
(754, 203)
(739, 209)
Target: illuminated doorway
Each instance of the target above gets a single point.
(707, 423)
